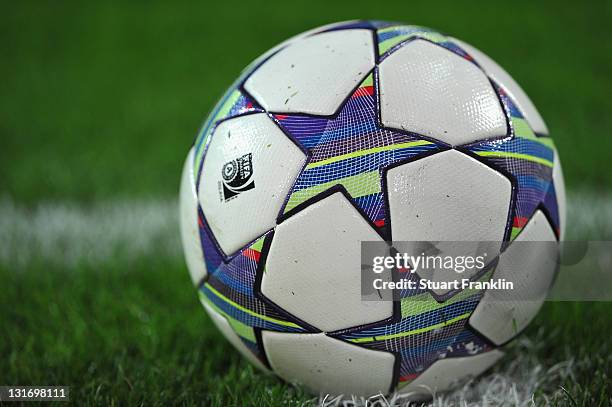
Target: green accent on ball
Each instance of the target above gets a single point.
(424, 33)
(258, 244)
(248, 311)
(515, 232)
(527, 157)
(425, 302)
(363, 184)
(368, 151)
(413, 332)
(242, 330)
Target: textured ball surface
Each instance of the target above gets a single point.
(367, 131)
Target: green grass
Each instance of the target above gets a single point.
(136, 333)
(120, 336)
(101, 99)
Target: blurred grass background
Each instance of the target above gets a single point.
(100, 101)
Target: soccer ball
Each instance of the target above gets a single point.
(367, 131)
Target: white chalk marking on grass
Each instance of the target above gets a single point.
(515, 381)
(69, 234)
(589, 215)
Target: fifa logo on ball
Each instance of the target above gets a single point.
(237, 176)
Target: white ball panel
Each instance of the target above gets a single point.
(329, 366)
(276, 162)
(559, 183)
(314, 74)
(314, 264)
(502, 314)
(449, 197)
(293, 39)
(227, 331)
(445, 373)
(190, 234)
(502, 78)
(431, 91)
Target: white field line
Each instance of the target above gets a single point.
(69, 234)
(589, 215)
